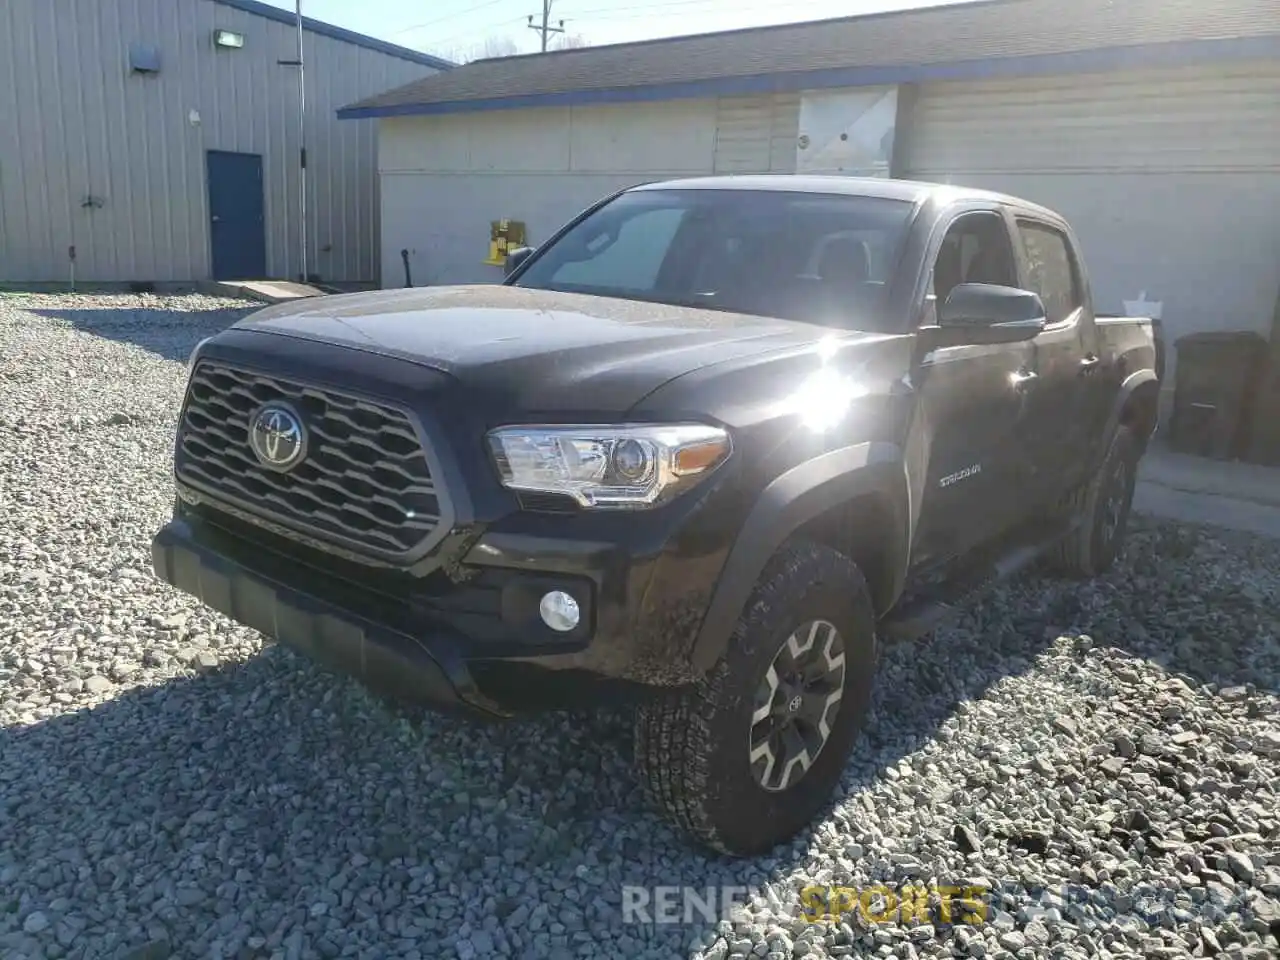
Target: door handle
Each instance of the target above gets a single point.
(1023, 379)
(1089, 364)
(215, 218)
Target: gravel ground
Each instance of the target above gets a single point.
(1108, 753)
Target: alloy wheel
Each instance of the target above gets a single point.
(1114, 502)
(795, 705)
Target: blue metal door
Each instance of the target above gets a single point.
(237, 221)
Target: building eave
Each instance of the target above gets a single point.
(260, 9)
(1099, 60)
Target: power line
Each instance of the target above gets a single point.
(474, 30)
(635, 12)
(627, 12)
(448, 16)
(646, 7)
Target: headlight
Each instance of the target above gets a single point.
(626, 466)
(192, 357)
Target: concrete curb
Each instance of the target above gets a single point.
(1216, 510)
(264, 291)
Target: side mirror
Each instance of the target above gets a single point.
(514, 258)
(987, 313)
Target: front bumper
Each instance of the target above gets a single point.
(467, 607)
(427, 671)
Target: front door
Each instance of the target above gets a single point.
(972, 406)
(237, 220)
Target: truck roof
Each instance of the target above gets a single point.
(912, 191)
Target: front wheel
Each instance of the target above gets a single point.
(746, 758)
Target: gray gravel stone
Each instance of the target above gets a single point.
(172, 786)
(1241, 866)
(36, 922)
(98, 684)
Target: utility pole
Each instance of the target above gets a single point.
(302, 140)
(545, 28)
(302, 143)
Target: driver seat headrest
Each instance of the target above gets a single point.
(845, 260)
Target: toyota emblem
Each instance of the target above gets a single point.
(277, 436)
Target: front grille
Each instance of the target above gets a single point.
(364, 479)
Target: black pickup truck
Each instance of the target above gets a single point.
(712, 443)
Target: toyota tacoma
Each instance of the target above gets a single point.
(709, 446)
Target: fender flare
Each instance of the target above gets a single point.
(1128, 387)
(786, 504)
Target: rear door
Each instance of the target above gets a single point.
(972, 402)
(1061, 417)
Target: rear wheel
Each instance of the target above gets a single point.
(1103, 506)
(746, 758)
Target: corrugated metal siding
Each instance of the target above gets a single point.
(79, 125)
(1171, 178)
(757, 134)
(1194, 118)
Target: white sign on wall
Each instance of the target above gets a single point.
(847, 131)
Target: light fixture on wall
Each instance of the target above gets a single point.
(228, 40)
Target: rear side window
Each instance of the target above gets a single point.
(1051, 269)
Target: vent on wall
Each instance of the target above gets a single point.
(143, 58)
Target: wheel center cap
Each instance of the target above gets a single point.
(794, 704)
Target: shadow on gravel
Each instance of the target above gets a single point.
(172, 334)
(284, 796)
(1198, 601)
(1177, 598)
(309, 795)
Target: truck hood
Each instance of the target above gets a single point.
(537, 350)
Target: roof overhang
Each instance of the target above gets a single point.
(1100, 60)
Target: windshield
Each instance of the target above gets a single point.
(819, 258)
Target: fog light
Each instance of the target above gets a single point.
(559, 611)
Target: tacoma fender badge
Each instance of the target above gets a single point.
(959, 475)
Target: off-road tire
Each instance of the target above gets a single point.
(692, 747)
(1093, 546)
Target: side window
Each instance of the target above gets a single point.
(1051, 270)
(975, 249)
(632, 260)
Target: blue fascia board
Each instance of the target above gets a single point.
(338, 33)
(1179, 53)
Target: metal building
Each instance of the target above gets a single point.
(1153, 125)
(160, 140)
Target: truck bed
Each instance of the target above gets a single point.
(1137, 340)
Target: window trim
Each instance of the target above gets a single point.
(1077, 284)
(938, 236)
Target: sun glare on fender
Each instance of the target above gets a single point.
(823, 400)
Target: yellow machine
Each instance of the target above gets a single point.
(504, 235)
